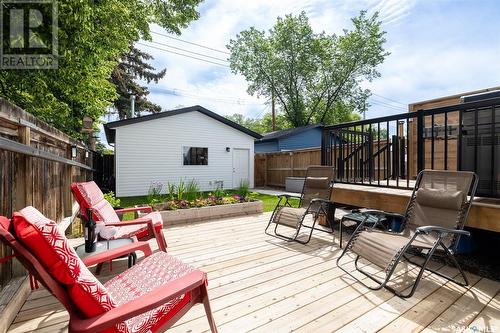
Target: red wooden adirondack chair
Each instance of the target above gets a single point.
(89, 196)
(149, 297)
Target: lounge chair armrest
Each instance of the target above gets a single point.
(130, 222)
(118, 252)
(288, 196)
(149, 301)
(321, 201)
(381, 212)
(141, 220)
(432, 228)
(146, 209)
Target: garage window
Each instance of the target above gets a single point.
(195, 155)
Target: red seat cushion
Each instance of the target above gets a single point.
(151, 273)
(44, 240)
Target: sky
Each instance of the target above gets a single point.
(438, 48)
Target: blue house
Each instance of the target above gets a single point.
(290, 139)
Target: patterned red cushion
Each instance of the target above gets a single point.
(90, 192)
(93, 198)
(43, 238)
(153, 272)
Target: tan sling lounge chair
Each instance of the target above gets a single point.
(314, 200)
(433, 221)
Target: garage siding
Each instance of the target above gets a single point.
(151, 151)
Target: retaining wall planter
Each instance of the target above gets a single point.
(210, 212)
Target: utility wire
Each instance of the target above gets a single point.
(187, 42)
(185, 55)
(386, 103)
(389, 99)
(222, 97)
(174, 92)
(377, 103)
(184, 50)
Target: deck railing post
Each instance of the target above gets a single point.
(323, 146)
(420, 141)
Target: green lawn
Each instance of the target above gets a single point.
(268, 200)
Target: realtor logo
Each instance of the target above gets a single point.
(28, 36)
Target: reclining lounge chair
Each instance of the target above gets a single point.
(149, 297)
(433, 223)
(89, 197)
(314, 200)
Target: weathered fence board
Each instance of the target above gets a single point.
(36, 169)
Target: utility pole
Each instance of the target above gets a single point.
(132, 106)
(273, 111)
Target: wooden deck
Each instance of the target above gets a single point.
(261, 284)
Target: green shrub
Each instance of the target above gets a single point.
(243, 189)
(171, 191)
(113, 201)
(154, 193)
(181, 190)
(218, 192)
(192, 190)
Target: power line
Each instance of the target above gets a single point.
(378, 103)
(185, 55)
(184, 50)
(261, 112)
(180, 92)
(222, 97)
(386, 103)
(174, 92)
(188, 42)
(389, 99)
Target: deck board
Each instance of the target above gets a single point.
(262, 284)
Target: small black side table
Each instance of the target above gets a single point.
(359, 216)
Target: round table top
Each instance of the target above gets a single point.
(102, 245)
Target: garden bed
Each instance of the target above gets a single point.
(188, 215)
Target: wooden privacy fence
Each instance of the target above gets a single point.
(36, 168)
(271, 169)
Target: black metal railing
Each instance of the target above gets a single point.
(390, 151)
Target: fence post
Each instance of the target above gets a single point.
(420, 141)
(24, 135)
(323, 147)
(265, 170)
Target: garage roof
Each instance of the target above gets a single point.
(110, 127)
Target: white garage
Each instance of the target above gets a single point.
(183, 144)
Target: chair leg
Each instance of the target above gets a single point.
(455, 263)
(287, 238)
(160, 239)
(330, 224)
(310, 233)
(208, 310)
(271, 221)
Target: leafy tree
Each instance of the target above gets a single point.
(262, 125)
(92, 36)
(133, 66)
(311, 75)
